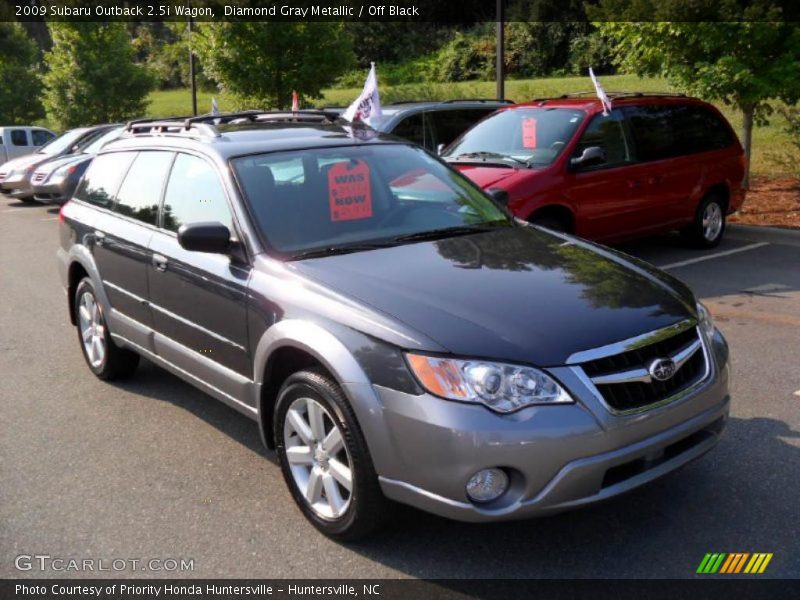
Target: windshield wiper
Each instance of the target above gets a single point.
(332, 250)
(484, 155)
(445, 232)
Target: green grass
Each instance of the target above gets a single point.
(768, 139)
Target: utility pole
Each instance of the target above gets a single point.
(192, 76)
(501, 65)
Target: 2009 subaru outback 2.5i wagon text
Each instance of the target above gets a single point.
(393, 332)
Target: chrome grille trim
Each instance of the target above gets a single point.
(642, 374)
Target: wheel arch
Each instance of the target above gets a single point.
(290, 346)
(563, 213)
(81, 265)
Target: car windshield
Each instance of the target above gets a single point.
(59, 144)
(95, 144)
(532, 136)
(342, 199)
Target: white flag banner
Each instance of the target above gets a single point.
(214, 106)
(601, 93)
(367, 107)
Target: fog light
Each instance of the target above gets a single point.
(487, 485)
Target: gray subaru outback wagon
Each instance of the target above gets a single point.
(393, 332)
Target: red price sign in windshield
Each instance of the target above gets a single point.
(349, 191)
(529, 132)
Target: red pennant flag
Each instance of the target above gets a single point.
(295, 102)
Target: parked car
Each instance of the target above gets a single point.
(15, 175)
(19, 140)
(55, 181)
(433, 125)
(392, 331)
(655, 163)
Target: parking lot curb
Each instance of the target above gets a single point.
(775, 235)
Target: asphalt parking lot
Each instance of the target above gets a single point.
(152, 468)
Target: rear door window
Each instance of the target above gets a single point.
(654, 130)
(101, 181)
(194, 194)
(19, 137)
(140, 192)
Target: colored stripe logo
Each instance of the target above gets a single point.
(734, 562)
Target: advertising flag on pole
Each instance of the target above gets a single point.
(601, 93)
(367, 107)
(214, 106)
(295, 102)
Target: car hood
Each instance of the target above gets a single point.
(23, 162)
(63, 161)
(518, 294)
(487, 177)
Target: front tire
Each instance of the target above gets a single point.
(105, 359)
(709, 223)
(324, 458)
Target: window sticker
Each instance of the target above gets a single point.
(349, 191)
(529, 132)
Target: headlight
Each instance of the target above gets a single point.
(705, 321)
(62, 172)
(503, 388)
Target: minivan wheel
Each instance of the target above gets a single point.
(105, 359)
(708, 227)
(324, 457)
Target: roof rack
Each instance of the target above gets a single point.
(613, 95)
(206, 125)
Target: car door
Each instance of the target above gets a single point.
(18, 142)
(199, 300)
(122, 234)
(665, 140)
(605, 192)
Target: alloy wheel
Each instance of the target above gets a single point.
(318, 458)
(712, 221)
(92, 329)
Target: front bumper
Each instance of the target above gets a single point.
(18, 187)
(58, 192)
(558, 457)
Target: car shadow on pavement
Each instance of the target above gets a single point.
(741, 497)
(154, 382)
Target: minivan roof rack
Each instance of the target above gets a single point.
(613, 95)
(503, 101)
(206, 125)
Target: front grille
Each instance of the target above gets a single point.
(3, 174)
(37, 177)
(633, 395)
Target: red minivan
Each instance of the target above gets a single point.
(654, 163)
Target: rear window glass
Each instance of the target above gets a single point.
(99, 184)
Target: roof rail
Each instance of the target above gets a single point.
(613, 95)
(206, 125)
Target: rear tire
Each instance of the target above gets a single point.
(322, 452)
(709, 223)
(105, 359)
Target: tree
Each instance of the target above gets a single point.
(92, 75)
(742, 61)
(20, 86)
(261, 63)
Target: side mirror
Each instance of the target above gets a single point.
(499, 196)
(210, 236)
(593, 155)
(440, 149)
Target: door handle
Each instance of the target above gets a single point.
(99, 237)
(634, 183)
(160, 262)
